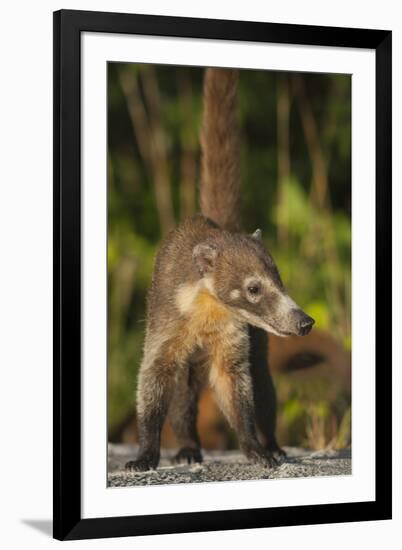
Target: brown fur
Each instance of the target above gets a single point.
(220, 189)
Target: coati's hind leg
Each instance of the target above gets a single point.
(265, 402)
(230, 377)
(183, 410)
(155, 388)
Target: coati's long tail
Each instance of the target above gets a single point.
(220, 175)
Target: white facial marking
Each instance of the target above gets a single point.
(286, 304)
(253, 279)
(258, 322)
(235, 294)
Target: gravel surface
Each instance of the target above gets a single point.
(225, 466)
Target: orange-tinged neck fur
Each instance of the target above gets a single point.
(208, 310)
(205, 318)
(208, 320)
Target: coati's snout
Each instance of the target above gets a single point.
(265, 304)
(243, 275)
(304, 322)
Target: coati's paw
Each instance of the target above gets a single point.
(189, 455)
(142, 464)
(276, 450)
(280, 452)
(257, 455)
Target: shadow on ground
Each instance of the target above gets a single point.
(42, 525)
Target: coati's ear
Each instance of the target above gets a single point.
(204, 256)
(257, 235)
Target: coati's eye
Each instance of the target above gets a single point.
(253, 289)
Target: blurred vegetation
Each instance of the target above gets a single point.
(296, 173)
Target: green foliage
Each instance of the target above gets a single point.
(315, 259)
(313, 412)
(310, 240)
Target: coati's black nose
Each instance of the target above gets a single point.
(304, 323)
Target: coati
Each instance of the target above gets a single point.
(215, 293)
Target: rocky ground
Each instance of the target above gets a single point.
(225, 466)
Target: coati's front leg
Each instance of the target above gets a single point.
(230, 377)
(183, 410)
(155, 387)
(265, 402)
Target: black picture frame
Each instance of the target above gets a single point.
(67, 519)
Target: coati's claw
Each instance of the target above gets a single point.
(276, 450)
(280, 452)
(271, 461)
(189, 455)
(262, 457)
(267, 460)
(142, 464)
